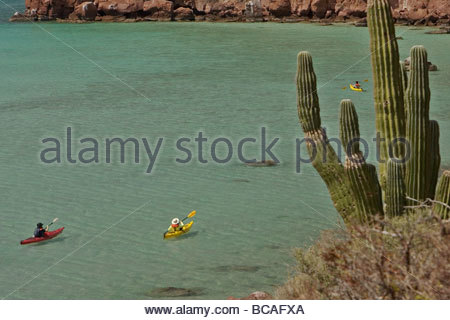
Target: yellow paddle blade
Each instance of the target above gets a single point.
(344, 88)
(190, 215)
(367, 80)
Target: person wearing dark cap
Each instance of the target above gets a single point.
(39, 232)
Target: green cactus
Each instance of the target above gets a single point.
(395, 189)
(349, 127)
(362, 177)
(324, 158)
(402, 112)
(417, 102)
(404, 76)
(435, 157)
(443, 196)
(308, 101)
(387, 78)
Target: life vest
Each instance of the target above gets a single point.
(175, 226)
(38, 233)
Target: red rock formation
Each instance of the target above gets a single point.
(277, 8)
(184, 3)
(423, 11)
(184, 14)
(161, 10)
(84, 11)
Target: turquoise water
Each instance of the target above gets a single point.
(227, 80)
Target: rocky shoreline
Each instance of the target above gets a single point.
(408, 12)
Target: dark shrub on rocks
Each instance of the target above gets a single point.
(406, 257)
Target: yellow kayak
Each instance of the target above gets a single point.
(355, 89)
(175, 234)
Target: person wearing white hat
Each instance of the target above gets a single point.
(176, 225)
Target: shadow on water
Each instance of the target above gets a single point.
(240, 268)
(173, 292)
(240, 180)
(184, 236)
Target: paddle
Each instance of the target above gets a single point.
(190, 215)
(54, 220)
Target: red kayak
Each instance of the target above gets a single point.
(48, 235)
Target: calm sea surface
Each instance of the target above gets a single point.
(171, 80)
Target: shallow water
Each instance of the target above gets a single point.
(227, 80)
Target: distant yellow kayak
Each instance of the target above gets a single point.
(175, 234)
(355, 89)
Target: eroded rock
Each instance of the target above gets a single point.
(184, 14)
(161, 10)
(84, 11)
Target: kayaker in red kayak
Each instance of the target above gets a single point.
(39, 232)
(176, 225)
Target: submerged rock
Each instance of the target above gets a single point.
(266, 163)
(237, 268)
(241, 180)
(445, 30)
(173, 292)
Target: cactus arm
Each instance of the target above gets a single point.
(404, 76)
(324, 158)
(443, 195)
(395, 196)
(362, 177)
(417, 101)
(435, 157)
(388, 92)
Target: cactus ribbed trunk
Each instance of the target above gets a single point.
(395, 189)
(435, 157)
(402, 123)
(404, 76)
(443, 195)
(307, 99)
(417, 100)
(387, 78)
(324, 158)
(362, 177)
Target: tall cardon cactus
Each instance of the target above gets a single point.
(409, 140)
(387, 82)
(323, 156)
(417, 105)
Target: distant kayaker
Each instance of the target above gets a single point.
(39, 232)
(357, 85)
(176, 225)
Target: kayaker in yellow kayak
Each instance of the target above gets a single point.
(176, 225)
(357, 85)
